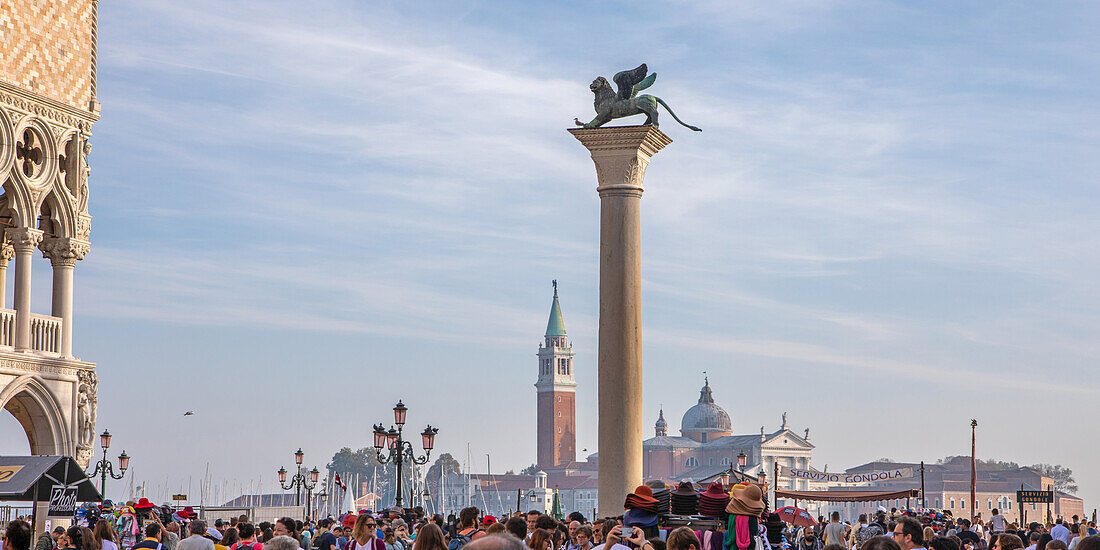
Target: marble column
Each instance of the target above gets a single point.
(23, 240)
(621, 155)
(7, 254)
(63, 254)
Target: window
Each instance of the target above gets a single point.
(990, 504)
(962, 503)
(952, 503)
(937, 502)
(691, 462)
(726, 461)
(712, 462)
(559, 399)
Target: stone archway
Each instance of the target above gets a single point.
(29, 399)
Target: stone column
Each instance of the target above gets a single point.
(23, 240)
(63, 254)
(7, 254)
(621, 156)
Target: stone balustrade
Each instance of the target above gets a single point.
(45, 331)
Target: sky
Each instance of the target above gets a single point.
(305, 211)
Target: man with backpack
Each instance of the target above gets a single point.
(866, 532)
(467, 529)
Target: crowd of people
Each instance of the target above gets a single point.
(932, 530)
(739, 520)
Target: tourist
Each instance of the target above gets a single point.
(1075, 530)
(467, 528)
(171, 538)
(1060, 532)
(966, 535)
(532, 520)
(326, 540)
(880, 543)
(230, 537)
(517, 527)
(247, 532)
(541, 539)
(153, 534)
(1057, 544)
(810, 541)
(682, 538)
(285, 527)
(865, 532)
(834, 531)
(341, 535)
(612, 533)
(364, 534)
(18, 535)
(197, 540)
(221, 526)
(1091, 542)
(943, 543)
(498, 542)
(583, 538)
(104, 534)
(283, 542)
(1008, 541)
(908, 533)
(48, 541)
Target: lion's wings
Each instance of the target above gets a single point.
(633, 81)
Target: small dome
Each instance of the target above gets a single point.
(705, 416)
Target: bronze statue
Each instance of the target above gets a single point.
(626, 102)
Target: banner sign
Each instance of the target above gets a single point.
(854, 478)
(1035, 497)
(62, 501)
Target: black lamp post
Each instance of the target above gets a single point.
(323, 497)
(104, 466)
(741, 461)
(401, 451)
(299, 481)
(761, 476)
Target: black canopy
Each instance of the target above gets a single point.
(27, 478)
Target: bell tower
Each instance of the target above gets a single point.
(556, 389)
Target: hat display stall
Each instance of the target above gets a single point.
(684, 500)
(713, 501)
(641, 499)
(639, 518)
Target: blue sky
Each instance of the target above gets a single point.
(305, 211)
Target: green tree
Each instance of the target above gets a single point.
(1062, 476)
(530, 470)
(444, 465)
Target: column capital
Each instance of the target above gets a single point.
(621, 155)
(7, 254)
(64, 251)
(23, 238)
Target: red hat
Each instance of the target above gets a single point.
(143, 503)
(488, 520)
(349, 520)
(187, 513)
(641, 499)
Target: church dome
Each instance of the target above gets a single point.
(705, 416)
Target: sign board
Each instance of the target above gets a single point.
(856, 478)
(179, 497)
(7, 472)
(62, 501)
(1035, 497)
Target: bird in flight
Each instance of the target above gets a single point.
(189, 413)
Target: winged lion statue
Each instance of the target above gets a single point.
(611, 104)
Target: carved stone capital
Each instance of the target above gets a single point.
(64, 251)
(621, 155)
(23, 239)
(7, 254)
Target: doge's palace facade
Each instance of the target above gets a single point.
(47, 108)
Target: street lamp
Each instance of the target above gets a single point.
(299, 481)
(761, 476)
(104, 466)
(399, 450)
(741, 461)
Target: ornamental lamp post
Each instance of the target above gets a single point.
(104, 467)
(761, 476)
(400, 451)
(299, 481)
(741, 461)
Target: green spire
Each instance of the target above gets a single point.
(556, 326)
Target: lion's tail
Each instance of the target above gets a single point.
(682, 123)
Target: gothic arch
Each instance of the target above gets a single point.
(32, 403)
(55, 214)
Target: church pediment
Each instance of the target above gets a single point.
(786, 439)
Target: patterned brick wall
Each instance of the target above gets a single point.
(46, 46)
